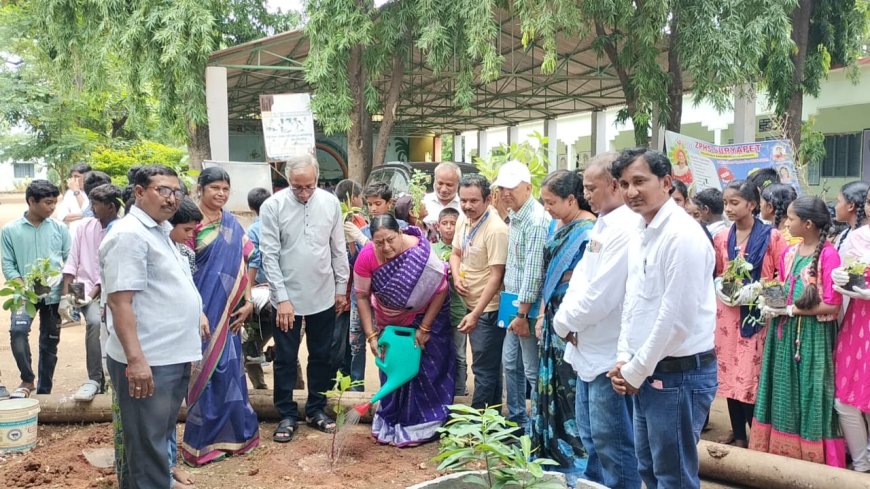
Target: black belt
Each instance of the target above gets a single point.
(690, 362)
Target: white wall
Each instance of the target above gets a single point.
(8, 182)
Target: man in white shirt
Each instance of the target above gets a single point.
(305, 260)
(446, 194)
(154, 317)
(589, 321)
(665, 358)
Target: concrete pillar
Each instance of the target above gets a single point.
(436, 149)
(552, 143)
(657, 138)
(717, 136)
(217, 108)
(482, 147)
(513, 135)
(744, 114)
(599, 132)
(458, 150)
(572, 163)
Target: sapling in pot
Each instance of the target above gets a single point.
(856, 271)
(735, 273)
(774, 294)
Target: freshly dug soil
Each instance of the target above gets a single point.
(57, 461)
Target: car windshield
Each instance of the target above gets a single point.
(394, 177)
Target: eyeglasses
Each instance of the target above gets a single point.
(166, 192)
(302, 190)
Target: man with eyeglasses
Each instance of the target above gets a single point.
(154, 317)
(304, 257)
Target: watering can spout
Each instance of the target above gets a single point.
(401, 361)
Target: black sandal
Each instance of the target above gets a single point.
(285, 431)
(321, 421)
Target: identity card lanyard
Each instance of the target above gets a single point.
(470, 236)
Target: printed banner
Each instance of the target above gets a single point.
(288, 125)
(700, 164)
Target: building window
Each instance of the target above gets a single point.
(842, 155)
(24, 170)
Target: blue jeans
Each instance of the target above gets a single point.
(667, 425)
(49, 337)
(604, 422)
(358, 348)
(520, 360)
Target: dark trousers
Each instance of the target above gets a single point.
(260, 328)
(148, 423)
(49, 337)
(741, 415)
(341, 344)
(486, 344)
(318, 334)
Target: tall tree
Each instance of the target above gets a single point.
(164, 46)
(362, 72)
(823, 33)
(650, 44)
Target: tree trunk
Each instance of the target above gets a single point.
(198, 147)
(800, 30)
(356, 160)
(390, 105)
(675, 88)
(641, 137)
(117, 125)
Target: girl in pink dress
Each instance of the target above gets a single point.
(740, 332)
(852, 354)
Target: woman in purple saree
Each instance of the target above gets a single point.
(399, 276)
(220, 420)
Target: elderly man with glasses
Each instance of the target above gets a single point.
(305, 261)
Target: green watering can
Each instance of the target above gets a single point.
(400, 364)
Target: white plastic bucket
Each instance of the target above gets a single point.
(18, 424)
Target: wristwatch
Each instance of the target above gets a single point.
(522, 315)
(76, 192)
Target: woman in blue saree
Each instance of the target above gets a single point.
(220, 420)
(399, 277)
(554, 430)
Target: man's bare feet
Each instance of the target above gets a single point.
(180, 485)
(182, 477)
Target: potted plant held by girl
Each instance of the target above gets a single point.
(735, 273)
(856, 271)
(774, 293)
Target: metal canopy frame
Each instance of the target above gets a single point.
(582, 81)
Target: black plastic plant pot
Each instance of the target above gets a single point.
(856, 280)
(730, 288)
(40, 289)
(77, 289)
(774, 297)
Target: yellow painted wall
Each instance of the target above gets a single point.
(420, 146)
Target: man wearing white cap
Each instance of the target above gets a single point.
(524, 276)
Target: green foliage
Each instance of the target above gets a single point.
(343, 383)
(22, 293)
(116, 160)
(403, 148)
(473, 436)
(812, 149)
(737, 270)
(156, 48)
(836, 31)
(419, 185)
(447, 148)
(533, 157)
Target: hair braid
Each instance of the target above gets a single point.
(859, 215)
(778, 211)
(810, 297)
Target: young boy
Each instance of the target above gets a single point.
(260, 326)
(83, 267)
(354, 357)
(25, 240)
(184, 223)
(379, 200)
(446, 227)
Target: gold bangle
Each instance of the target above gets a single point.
(373, 335)
(425, 330)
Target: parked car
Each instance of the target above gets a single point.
(398, 174)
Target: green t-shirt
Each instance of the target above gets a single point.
(457, 305)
